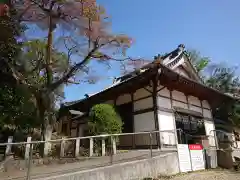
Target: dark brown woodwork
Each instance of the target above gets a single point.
(78, 127)
(181, 101)
(143, 111)
(147, 90)
(115, 101)
(175, 81)
(161, 88)
(171, 98)
(165, 109)
(142, 98)
(168, 78)
(201, 106)
(155, 108)
(125, 112)
(188, 105)
(133, 130)
(187, 111)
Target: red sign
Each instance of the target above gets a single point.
(195, 146)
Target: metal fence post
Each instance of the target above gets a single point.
(103, 147)
(150, 137)
(77, 147)
(62, 147)
(27, 148)
(30, 162)
(111, 150)
(90, 147)
(9, 146)
(215, 139)
(114, 146)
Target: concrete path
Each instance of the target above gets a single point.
(90, 163)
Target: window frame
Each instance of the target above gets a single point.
(198, 130)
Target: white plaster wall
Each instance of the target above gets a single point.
(182, 72)
(194, 100)
(123, 99)
(143, 104)
(164, 92)
(209, 128)
(140, 93)
(166, 122)
(164, 102)
(180, 104)
(207, 113)
(206, 104)
(179, 96)
(144, 122)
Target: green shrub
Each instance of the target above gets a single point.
(104, 120)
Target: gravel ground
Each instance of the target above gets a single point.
(208, 175)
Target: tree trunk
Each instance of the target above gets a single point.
(46, 129)
(48, 96)
(45, 109)
(49, 52)
(47, 137)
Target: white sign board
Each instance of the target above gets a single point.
(197, 157)
(184, 158)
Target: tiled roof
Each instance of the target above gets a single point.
(168, 61)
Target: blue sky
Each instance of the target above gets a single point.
(210, 26)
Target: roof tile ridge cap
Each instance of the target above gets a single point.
(174, 61)
(194, 67)
(180, 47)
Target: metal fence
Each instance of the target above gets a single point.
(86, 152)
(94, 151)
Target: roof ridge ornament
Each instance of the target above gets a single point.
(181, 47)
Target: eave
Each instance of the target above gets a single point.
(167, 77)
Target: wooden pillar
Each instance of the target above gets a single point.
(68, 124)
(78, 128)
(201, 105)
(171, 97)
(115, 102)
(70, 127)
(155, 109)
(174, 123)
(133, 129)
(188, 105)
(59, 128)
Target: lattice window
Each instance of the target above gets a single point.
(190, 124)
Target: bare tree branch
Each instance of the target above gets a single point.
(71, 71)
(72, 82)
